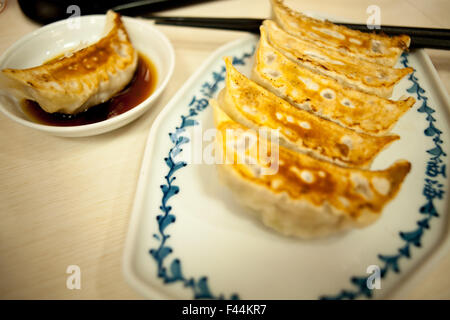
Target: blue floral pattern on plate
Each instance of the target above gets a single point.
(432, 190)
(200, 287)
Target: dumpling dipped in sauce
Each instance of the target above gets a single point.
(82, 79)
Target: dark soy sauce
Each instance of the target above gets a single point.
(140, 87)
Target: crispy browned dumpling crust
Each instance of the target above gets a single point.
(324, 96)
(305, 197)
(367, 46)
(253, 106)
(357, 74)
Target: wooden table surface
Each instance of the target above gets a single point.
(67, 201)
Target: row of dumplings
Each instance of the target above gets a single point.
(326, 89)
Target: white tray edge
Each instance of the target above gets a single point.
(411, 279)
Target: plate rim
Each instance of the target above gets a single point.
(127, 262)
(442, 247)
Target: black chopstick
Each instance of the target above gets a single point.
(397, 30)
(136, 7)
(238, 24)
(434, 38)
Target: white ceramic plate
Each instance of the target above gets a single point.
(189, 239)
(59, 37)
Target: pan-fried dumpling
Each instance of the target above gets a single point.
(324, 96)
(305, 197)
(362, 75)
(366, 46)
(86, 78)
(254, 107)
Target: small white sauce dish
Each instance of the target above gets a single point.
(62, 36)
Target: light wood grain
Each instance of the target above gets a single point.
(68, 201)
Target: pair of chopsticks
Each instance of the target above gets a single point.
(432, 38)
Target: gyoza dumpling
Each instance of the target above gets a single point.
(354, 73)
(304, 197)
(366, 46)
(254, 107)
(322, 95)
(86, 78)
